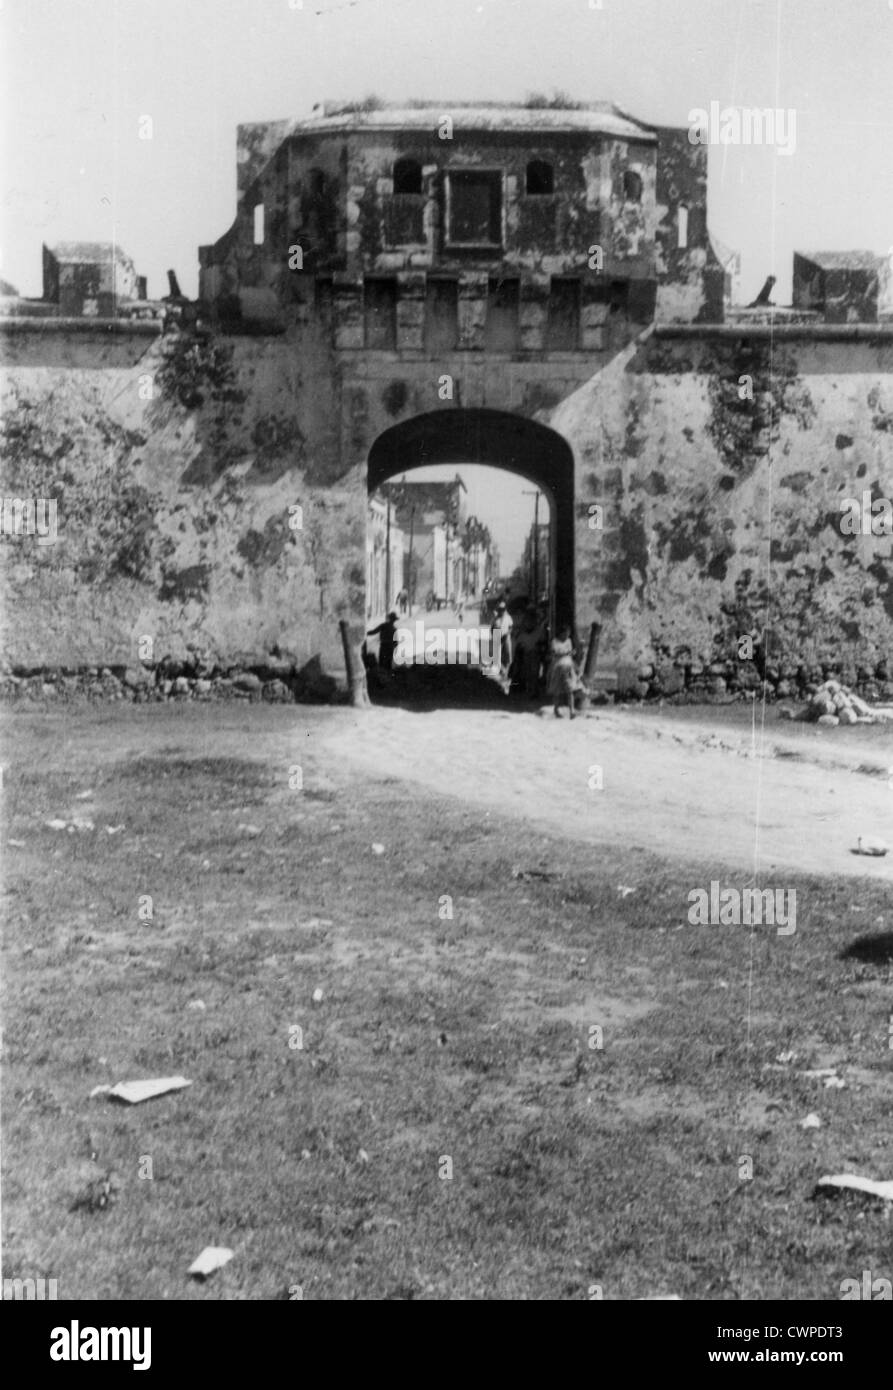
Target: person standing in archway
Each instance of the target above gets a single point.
(502, 633)
(563, 678)
(528, 656)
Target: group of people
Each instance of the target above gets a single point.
(520, 654)
(526, 651)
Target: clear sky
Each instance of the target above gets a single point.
(78, 76)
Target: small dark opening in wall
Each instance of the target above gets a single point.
(540, 180)
(632, 186)
(380, 311)
(407, 176)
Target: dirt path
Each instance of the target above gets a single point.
(677, 788)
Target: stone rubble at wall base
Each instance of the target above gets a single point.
(699, 683)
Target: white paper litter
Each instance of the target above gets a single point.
(852, 1182)
(811, 1121)
(135, 1091)
(212, 1257)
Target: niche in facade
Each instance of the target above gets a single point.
(563, 322)
(380, 313)
(501, 330)
(441, 315)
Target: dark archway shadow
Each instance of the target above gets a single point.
(424, 689)
(501, 440)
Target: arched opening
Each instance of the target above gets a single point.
(540, 179)
(632, 186)
(520, 456)
(408, 176)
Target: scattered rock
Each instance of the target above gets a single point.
(869, 844)
(93, 1189)
(247, 680)
(277, 692)
(136, 677)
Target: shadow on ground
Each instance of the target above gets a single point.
(427, 688)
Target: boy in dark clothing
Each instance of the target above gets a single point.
(386, 633)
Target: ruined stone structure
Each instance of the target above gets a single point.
(533, 289)
(90, 278)
(843, 286)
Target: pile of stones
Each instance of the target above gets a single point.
(834, 704)
(718, 681)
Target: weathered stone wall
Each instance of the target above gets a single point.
(175, 462)
(722, 513)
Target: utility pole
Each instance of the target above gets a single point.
(410, 587)
(387, 560)
(536, 542)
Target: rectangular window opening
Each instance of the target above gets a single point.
(474, 207)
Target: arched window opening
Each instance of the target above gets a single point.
(632, 186)
(408, 176)
(540, 180)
